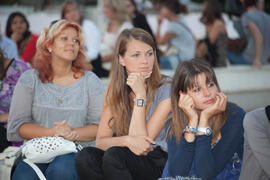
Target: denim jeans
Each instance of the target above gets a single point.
(237, 58)
(62, 167)
(169, 62)
(119, 163)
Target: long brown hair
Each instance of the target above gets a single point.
(118, 92)
(184, 79)
(43, 60)
(211, 12)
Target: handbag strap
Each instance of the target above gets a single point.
(188, 29)
(36, 169)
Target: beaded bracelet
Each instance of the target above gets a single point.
(190, 129)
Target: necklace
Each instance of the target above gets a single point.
(60, 98)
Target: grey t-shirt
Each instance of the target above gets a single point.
(256, 158)
(183, 40)
(162, 93)
(44, 104)
(262, 21)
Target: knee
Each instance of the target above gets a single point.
(62, 167)
(115, 156)
(88, 156)
(24, 172)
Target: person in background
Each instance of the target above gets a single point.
(118, 19)
(138, 18)
(178, 35)
(17, 29)
(70, 11)
(205, 135)
(214, 47)
(58, 97)
(235, 10)
(10, 71)
(131, 136)
(8, 47)
(256, 145)
(256, 24)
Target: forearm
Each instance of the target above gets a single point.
(30, 131)
(181, 161)
(107, 142)
(107, 58)
(86, 133)
(137, 125)
(258, 44)
(4, 118)
(204, 162)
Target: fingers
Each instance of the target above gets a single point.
(185, 101)
(147, 75)
(222, 101)
(132, 77)
(149, 140)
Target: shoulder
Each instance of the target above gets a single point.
(21, 63)
(126, 25)
(94, 84)
(255, 118)
(164, 91)
(6, 40)
(34, 36)
(235, 114)
(28, 78)
(88, 23)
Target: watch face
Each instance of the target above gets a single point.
(208, 131)
(140, 102)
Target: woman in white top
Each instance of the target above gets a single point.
(71, 12)
(118, 20)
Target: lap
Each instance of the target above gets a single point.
(62, 166)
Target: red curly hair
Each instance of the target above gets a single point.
(43, 60)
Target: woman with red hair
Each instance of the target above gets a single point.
(56, 98)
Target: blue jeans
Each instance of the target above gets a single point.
(62, 167)
(169, 62)
(237, 58)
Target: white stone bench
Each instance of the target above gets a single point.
(244, 85)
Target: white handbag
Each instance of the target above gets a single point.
(44, 150)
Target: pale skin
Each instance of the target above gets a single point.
(112, 27)
(138, 60)
(63, 51)
(258, 41)
(255, 32)
(201, 103)
(165, 13)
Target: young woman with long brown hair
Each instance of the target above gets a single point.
(205, 136)
(131, 136)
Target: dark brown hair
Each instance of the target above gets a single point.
(184, 79)
(10, 20)
(174, 5)
(211, 12)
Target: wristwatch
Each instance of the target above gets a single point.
(139, 102)
(206, 130)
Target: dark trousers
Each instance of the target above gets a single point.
(118, 163)
(3, 139)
